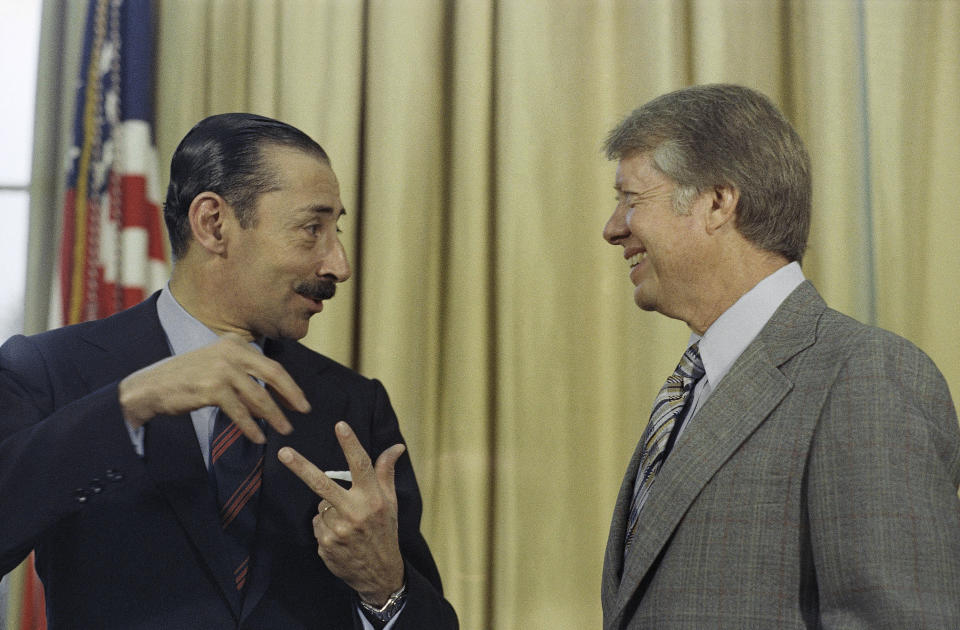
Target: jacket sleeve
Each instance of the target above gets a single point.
(53, 459)
(882, 483)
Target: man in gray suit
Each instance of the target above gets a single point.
(799, 469)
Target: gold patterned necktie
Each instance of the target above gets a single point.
(658, 437)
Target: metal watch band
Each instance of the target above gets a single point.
(389, 609)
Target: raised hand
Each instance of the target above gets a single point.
(221, 374)
(356, 529)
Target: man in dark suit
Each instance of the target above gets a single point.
(799, 469)
(145, 456)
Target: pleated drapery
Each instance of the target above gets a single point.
(466, 137)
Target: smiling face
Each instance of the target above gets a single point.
(280, 269)
(663, 248)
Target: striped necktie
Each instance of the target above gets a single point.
(660, 434)
(236, 467)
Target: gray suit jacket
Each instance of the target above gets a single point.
(816, 488)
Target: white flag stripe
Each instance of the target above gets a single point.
(139, 157)
(134, 145)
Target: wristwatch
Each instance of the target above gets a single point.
(381, 616)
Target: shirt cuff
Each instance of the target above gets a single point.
(369, 626)
(136, 437)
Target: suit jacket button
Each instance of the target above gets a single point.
(81, 495)
(113, 474)
(95, 486)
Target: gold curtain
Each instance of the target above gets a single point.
(466, 136)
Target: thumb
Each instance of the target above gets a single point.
(385, 466)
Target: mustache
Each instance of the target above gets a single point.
(319, 289)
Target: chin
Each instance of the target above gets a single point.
(296, 330)
(294, 334)
(644, 301)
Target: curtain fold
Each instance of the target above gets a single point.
(467, 140)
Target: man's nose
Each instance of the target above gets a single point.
(335, 263)
(616, 227)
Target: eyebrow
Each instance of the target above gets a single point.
(321, 209)
(643, 194)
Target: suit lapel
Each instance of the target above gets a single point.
(745, 397)
(121, 344)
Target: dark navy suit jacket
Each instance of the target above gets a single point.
(125, 542)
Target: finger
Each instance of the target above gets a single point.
(327, 540)
(309, 474)
(241, 354)
(318, 520)
(358, 461)
(324, 507)
(330, 529)
(280, 382)
(386, 468)
(240, 415)
(261, 404)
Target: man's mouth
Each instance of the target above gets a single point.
(634, 260)
(317, 290)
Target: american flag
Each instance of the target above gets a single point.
(113, 252)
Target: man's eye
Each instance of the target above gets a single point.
(313, 229)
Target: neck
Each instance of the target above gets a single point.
(203, 299)
(732, 279)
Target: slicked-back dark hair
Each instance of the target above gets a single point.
(224, 154)
(710, 135)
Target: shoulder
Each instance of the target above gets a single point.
(72, 339)
(298, 359)
(869, 345)
(805, 320)
(883, 367)
(142, 316)
(823, 347)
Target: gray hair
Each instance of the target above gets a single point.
(727, 135)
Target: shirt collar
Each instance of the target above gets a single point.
(184, 331)
(732, 332)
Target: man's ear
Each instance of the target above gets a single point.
(207, 214)
(723, 207)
